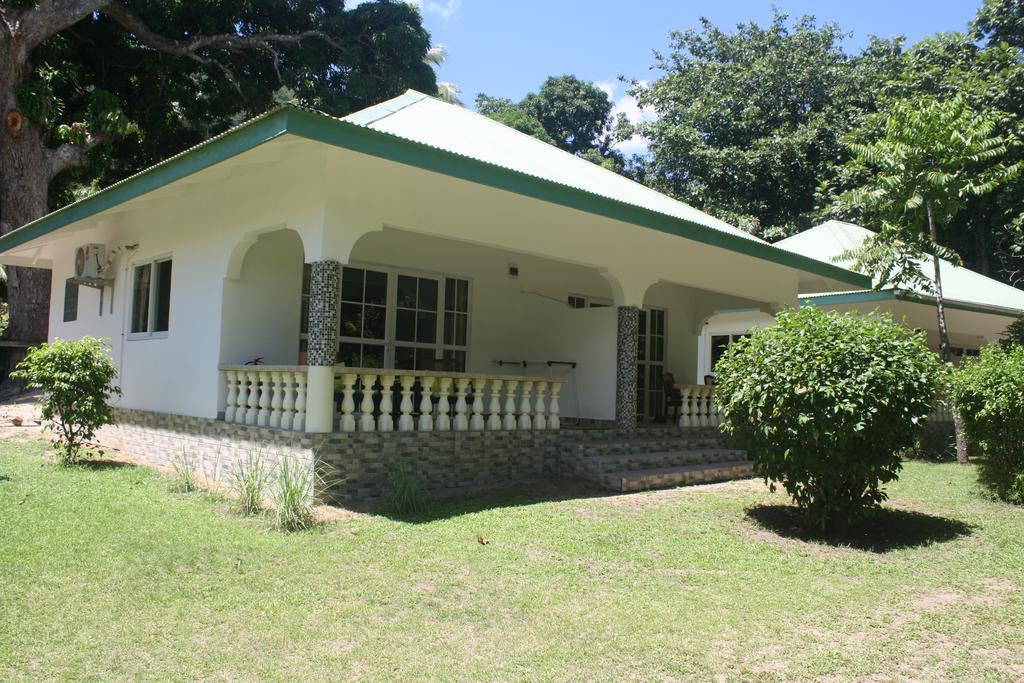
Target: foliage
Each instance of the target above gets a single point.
(293, 495)
(1014, 334)
(250, 477)
(749, 123)
(406, 497)
(77, 380)
(571, 114)
(989, 393)
(183, 468)
(825, 403)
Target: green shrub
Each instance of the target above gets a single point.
(293, 495)
(825, 404)
(989, 393)
(77, 380)
(406, 497)
(249, 479)
(184, 478)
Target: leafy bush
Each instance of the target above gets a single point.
(825, 404)
(76, 378)
(293, 495)
(989, 392)
(249, 479)
(1013, 335)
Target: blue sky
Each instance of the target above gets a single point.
(508, 48)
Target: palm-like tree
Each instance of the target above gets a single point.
(449, 92)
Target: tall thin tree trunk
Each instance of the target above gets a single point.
(944, 349)
(982, 262)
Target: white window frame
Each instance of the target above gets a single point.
(588, 301)
(130, 307)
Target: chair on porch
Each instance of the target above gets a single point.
(673, 397)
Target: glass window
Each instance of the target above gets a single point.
(151, 298)
(364, 296)
(162, 297)
(140, 298)
(70, 301)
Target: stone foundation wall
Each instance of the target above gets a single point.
(358, 468)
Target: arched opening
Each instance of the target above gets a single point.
(263, 311)
(719, 331)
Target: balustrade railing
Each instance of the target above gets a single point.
(941, 412)
(699, 408)
(376, 400)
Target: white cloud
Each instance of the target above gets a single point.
(625, 103)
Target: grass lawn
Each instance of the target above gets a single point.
(108, 575)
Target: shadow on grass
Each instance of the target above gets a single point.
(882, 531)
(97, 464)
(547, 491)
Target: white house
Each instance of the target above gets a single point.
(414, 248)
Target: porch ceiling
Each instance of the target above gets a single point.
(642, 228)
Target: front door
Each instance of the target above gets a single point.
(650, 394)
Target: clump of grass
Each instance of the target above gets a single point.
(184, 478)
(293, 495)
(249, 479)
(406, 497)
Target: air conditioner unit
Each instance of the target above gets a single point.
(90, 261)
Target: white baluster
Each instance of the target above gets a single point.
(509, 420)
(525, 422)
(494, 419)
(263, 416)
(405, 422)
(299, 421)
(684, 407)
(386, 423)
(254, 397)
(539, 418)
(426, 404)
(461, 421)
(287, 399)
(555, 410)
(444, 420)
(348, 403)
(702, 408)
(476, 423)
(716, 416)
(276, 400)
(229, 404)
(366, 421)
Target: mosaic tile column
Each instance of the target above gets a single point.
(322, 348)
(625, 367)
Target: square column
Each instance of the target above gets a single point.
(322, 348)
(625, 367)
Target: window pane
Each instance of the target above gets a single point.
(462, 303)
(70, 301)
(657, 349)
(351, 320)
(352, 284)
(427, 300)
(373, 356)
(349, 355)
(405, 325)
(461, 327)
(376, 287)
(423, 355)
(642, 327)
(449, 294)
(406, 291)
(307, 271)
(659, 322)
(459, 357)
(426, 328)
(163, 296)
(374, 318)
(449, 328)
(140, 298)
(576, 302)
(405, 358)
(641, 347)
(719, 344)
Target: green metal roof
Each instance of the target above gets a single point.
(664, 215)
(962, 288)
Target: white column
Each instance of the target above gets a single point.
(494, 419)
(476, 423)
(555, 410)
(509, 420)
(405, 421)
(366, 421)
(252, 409)
(299, 421)
(426, 423)
(276, 400)
(348, 403)
(525, 422)
(444, 420)
(539, 418)
(461, 422)
(386, 423)
(229, 403)
(287, 399)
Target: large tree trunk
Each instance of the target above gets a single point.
(940, 311)
(25, 173)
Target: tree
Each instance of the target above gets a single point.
(932, 157)
(93, 90)
(571, 114)
(749, 124)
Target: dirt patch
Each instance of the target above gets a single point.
(992, 592)
(648, 499)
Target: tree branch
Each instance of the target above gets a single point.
(70, 155)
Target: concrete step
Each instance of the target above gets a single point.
(648, 444)
(680, 475)
(598, 465)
